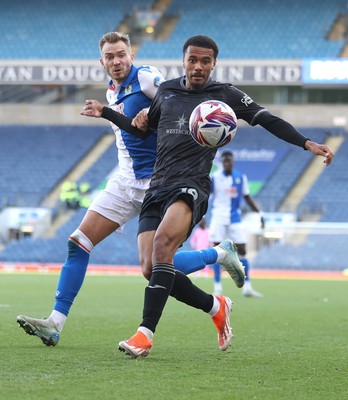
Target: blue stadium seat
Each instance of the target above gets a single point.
(34, 159)
(254, 30)
(267, 29)
(65, 29)
(328, 189)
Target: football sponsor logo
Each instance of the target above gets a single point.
(246, 100)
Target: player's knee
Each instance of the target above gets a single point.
(146, 267)
(147, 272)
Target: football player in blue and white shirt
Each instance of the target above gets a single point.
(229, 188)
(131, 89)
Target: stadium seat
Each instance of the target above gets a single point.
(285, 30)
(34, 159)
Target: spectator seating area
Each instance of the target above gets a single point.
(65, 29)
(278, 186)
(267, 29)
(34, 159)
(253, 29)
(320, 250)
(329, 191)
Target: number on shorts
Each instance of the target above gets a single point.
(191, 191)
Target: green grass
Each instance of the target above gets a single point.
(292, 344)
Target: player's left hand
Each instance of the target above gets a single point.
(141, 120)
(92, 108)
(320, 150)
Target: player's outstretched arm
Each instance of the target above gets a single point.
(251, 203)
(285, 131)
(93, 108)
(320, 150)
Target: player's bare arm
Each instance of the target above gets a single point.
(251, 203)
(92, 108)
(320, 150)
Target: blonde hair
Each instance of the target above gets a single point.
(114, 37)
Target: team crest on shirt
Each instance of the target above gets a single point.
(128, 89)
(238, 181)
(157, 81)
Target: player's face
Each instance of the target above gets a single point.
(198, 64)
(117, 60)
(227, 164)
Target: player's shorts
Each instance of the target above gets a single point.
(121, 199)
(157, 201)
(219, 232)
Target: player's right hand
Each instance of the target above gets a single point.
(141, 120)
(92, 108)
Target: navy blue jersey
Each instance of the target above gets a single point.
(179, 157)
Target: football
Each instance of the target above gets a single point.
(213, 124)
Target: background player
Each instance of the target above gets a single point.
(130, 90)
(229, 187)
(180, 185)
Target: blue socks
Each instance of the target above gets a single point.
(245, 262)
(191, 261)
(71, 277)
(217, 273)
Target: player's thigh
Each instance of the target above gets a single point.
(110, 210)
(218, 232)
(172, 231)
(97, 227)
(145, 248)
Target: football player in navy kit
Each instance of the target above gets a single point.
(180, 185)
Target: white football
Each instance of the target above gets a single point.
(213, 124)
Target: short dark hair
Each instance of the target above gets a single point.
(201, 41)
(227, 154)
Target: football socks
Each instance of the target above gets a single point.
(186, 292)
(245, 263)
(217, 273)
(156, 294)
(73, 271)
(191, 261)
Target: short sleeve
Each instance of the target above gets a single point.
(149, 79)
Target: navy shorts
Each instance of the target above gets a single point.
(157, 201)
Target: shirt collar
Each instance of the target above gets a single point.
(130, 76)
(207, 83)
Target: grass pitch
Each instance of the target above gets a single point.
(292, 344)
